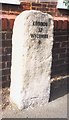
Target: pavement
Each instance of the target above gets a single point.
(56, 108)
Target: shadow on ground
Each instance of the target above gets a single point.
(59, 88)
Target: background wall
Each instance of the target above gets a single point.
(61, 36)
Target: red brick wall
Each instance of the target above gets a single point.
(61, 37)
(11, 9)
(49, 7)
(60, 47)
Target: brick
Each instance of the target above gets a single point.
(50, 5)
(67, 44)
(68, 61)
(4, 36)
(68, 25)
(59, 71)
(5, 7)
(5, 78)
(5, 64)
(0, 65)
(34, 8)
(0, 36)
(55, 57)
(3, 51)
(56, 45)
(57, 51)
(68, 38)
(7, 43)
(0, 58)
(59, 62)
(38, 8)
(11, 22)
(0, 43)
(0, 72)
(6, 58)
(43, 5)
(9, 35)
(60, 67)
(44, 9)
(52, 9)
(67, 50)
(6, 84)
(0, 50)
(26, 7)
(0, 83)
(64, 44)
(8, 64)
(36, 4)
(25, 3)
(62, 56)
(0, 24)
(4, 24)
(55, 24)
(67, 55)
(6, 72)
(8, 50)
(13, 13)
(61, 38)
(60, 24)
(65, 25)
(60, 32)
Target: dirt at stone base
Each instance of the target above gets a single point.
(5, 97)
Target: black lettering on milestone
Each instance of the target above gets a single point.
(39, 36)
(32, 35)
(37, 23)
(40, 29)
(33, 23)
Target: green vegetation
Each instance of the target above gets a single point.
(66, 3)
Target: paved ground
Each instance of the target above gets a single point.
(57, 107)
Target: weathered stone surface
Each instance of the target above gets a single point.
(31, 58)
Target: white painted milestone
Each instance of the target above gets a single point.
(32, 43)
